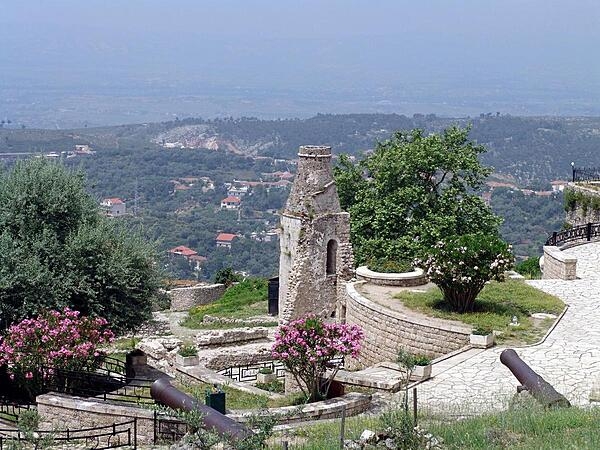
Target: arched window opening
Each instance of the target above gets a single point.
(331, 257)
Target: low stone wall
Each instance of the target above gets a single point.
(387, 331)
(406, 279)
(230, 336)
(556, 265)
(183, 299)
(63, 411)
(353, 402)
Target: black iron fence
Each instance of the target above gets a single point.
(115, 387)
(586, 174)
(117, 435)
(10, 409)
(168, 429)
(587, 232)
(249, 372)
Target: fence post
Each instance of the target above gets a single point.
(554, 238)
(588, 231)
(135, 433)
(415, 405)
(343, 427)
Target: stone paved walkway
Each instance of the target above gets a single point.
(569, 358)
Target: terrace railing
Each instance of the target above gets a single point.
(585, 233)
(586, 174)
(117, 435)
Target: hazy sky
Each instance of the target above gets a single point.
(477, 54)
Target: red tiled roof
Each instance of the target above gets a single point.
(114, 201)
(230, 199)
(226, 237)
(183, 250)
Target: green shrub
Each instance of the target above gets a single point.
(188, 350)
(383, 265)
(529, 268)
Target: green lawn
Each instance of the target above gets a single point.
(241, 301)
(494, 308)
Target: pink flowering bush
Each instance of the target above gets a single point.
(461, 265)
(32, 348)
(307, 346)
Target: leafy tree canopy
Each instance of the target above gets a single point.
(413, 190)
(57, 250)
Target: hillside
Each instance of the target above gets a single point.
(531, 149)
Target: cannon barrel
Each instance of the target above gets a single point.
(162, 391)
(539, 388)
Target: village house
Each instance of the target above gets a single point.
(237, 191)
(559, 185)
(225, 239)
(113, 207)
(188, 254)
(230, 203)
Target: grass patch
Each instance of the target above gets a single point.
(189, 323)
(524, 428)
(236, 399)
(245, 299)
(126, 343)
(495, 307)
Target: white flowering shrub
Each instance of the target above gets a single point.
(461, 265)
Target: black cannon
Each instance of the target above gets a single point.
(539, 388)
(162, 391)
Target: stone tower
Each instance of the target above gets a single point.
(316, 254)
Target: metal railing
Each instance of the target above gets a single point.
(117, 435)
(168, 429)
(10, 409)
(249, 372)
(586, 174)
(115, 387)
(587, 232)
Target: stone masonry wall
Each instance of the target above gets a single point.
(183, 299)
(557, 265)
(61, 412)
(579, 216)
(387, 331)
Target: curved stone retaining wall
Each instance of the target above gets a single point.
(387, 331)
(407, 279)
(556, 265)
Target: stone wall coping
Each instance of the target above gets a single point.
(92, 405)
(354, 402)
(364, 271)
(558, 254)
(382, 310)
(196, 287)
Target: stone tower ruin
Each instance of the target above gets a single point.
(316, 255)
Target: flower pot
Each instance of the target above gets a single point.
(482, 341)
(187, 360)
(265, 378)
(421, 373)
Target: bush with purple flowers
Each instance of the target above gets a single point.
(307, 346)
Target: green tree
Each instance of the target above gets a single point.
(57, 250)
(413, 190)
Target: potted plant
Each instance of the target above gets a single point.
(422, 368)
(482, 337)
(187, 355)
(418, 367)
(265, 375)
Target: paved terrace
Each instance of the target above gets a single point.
(569, 358)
